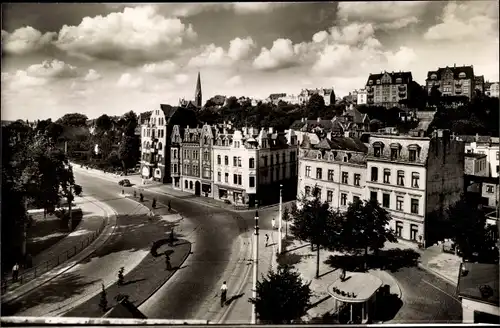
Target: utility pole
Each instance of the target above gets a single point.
(280, 213)
(255, 265)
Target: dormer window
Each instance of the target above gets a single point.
(395, 151)
(318, 156)
(370, 82)
(434, 76)
(461, 75)
(378, 81)
(413, 152)
(399, 80)
(378, 148)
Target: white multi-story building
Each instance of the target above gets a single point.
(362, 94)
(415, 179)
(494, 90)
(291, 99)
(484, 145)
(337, 166)
(327, 94)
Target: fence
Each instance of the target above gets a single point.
(31, 273)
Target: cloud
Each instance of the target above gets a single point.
(20, 80)
(92, 76)
(466, 21)
(126, 80)
(53, 69)
(234, 81)
(136, 35)
(25, 40)
(388, 15)
(181, 78)
(254, 7)
(164, 68)
(282, 54)
(240, 48)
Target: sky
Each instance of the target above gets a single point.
(112, 58)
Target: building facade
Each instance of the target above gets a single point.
(327, 94)
(475, 164)
(388, 89)
(415, 179)
(452, 81)
(486, 145)
(362, 97)
(337, 166)
(491, 89)
(479, 83)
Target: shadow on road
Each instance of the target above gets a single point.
(233, 298)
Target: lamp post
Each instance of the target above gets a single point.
(280, 239)
(255, 264)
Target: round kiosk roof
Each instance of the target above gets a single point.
(363, 285)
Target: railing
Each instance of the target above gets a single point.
(31, 273)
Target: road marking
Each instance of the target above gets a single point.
(442, 291)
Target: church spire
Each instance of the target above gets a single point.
(197, 93)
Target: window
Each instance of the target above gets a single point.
(329, 196)
(319, 173)
(226, 177)
(251, 182)
(386, 200)
(251, 163)
(308, 190)
(489, 189)
(308, 171)
(235, 178)
(265, 160)
(190, 184)
(185, 184)
(205, 156)
(237, 144)
(373, 195)
(343, 199)
(387, 175)
(235, 161)
(413, 232)
(414, 179)
(357, 178)
(374, 174)
(226, 160)
(414, 206)
(330, 175)
(239, 161)
(345, 177)
(394, 154)
(219, 176)
(239, 180)
(377, 151)
(413, 155)
(401, 178)
(319, 191)
(399, 203)
(399, 229)
(355, 199)
(218, 159)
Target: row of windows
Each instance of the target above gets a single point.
(400, 181)
(413, 230)
(329, 196)
(154, 157)
(191, 170)
(413, 153)
(386, 202)
(345, 175)
(151, 133)
(148, 145)
(386, 80)
(237, 179)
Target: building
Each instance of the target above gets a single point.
(197, 103)
(415, 179)
(249, 166)
(337, 166)
(491, 89)
(327, 94)
(475, 164)
(388, 89)
(479, 83)
(452, 81)
(156, 138)
(291, 99)
(478, 291)
(274, 98)
(362, 97)
(484, 145)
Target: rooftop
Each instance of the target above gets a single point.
(480, 283)
(363, 285)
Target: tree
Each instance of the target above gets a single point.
(103, 301)
(315, 105)
(281, 297)
(73, 119)
(434, 96)
(210, 103)
(103, 123)
(365, 227)
(316, 223)
(232, 102)
(466, 225)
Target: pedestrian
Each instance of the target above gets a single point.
(267, 239)
(141, 197)
(15, 272)
(153, 204)
(273, 223)
(167, 262)
(223, 294)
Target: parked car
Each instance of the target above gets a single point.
(125, 183)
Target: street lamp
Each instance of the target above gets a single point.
(255, 264)
(280, 239)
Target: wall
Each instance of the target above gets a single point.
(475, 166)
(491, 192)
(469, 306)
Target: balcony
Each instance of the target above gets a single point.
(402, 87)
(458, 91)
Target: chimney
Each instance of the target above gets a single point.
(318, 119)
(454, 65)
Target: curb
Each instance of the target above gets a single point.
(108, 218)
(438, 275)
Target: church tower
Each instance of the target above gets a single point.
(197, 93)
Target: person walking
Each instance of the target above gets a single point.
(223, 294)
(15, 272)
(167, 262)
(267, 239)
(273, 223)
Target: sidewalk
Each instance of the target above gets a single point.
(109, 226)
(88, 229)
(444, 265)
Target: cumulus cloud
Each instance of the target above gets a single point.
(25, 40)
(92, 75)
(283, 54)
(465, 21)
(126, 80)
(234, 81)
(240, 48)
(53, 69)
(254, 7)
(137, 34)
(21, 79)
(181, 78)
(166, 67)
(388, 15)
(212, 55)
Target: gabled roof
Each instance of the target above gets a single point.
(405, 76)
(468, 70)
(168, 111)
